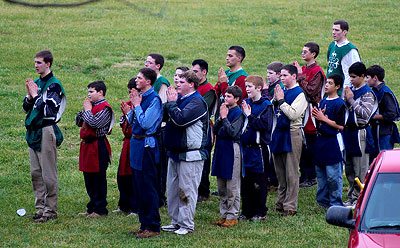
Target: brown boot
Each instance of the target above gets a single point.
(220, 221)
(229, 223)
(146, 234)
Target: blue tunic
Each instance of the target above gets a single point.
(223, 158)
(327, 150)
(281, 140)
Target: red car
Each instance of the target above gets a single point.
(376, 218)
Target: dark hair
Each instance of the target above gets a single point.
(377, 71)
(158, 59)
(191, 77)
(240, 50)
(358, 68)
(337, 79)
(132, 83)
(275, 66)
(291, 69)
(313, 47)
(182, 68)
(236, 91)
(149, 74)
(202, 64)
(343, 24)
(46, 55)
(258, 81)
(98, 85)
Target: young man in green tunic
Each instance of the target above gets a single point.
(156, 62)
(44, 104)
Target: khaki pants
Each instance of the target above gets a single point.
(44, 174)
(229, 190)
(288, 172)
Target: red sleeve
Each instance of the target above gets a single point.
(240, 81)
(220, 88)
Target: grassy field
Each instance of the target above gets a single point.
(109, 40)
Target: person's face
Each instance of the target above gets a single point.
(183, 87)
(201, 74)
(151, 63)
(142, 82)
(41, 67)
(330, 86)
(355, 80)
(230, 100)
(232, 58)
(252, 90)
(272, 76)
(287, 79)
(95, 95)
(371, 81)
(178, 75)
(306, 55)
(338, 34)
(131, 90)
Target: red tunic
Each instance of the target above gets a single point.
(124, 168)
(221, 87)
(89, 148)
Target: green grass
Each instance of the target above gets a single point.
(109, 40)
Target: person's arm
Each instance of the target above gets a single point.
(99, 120)
(264, 122)
(364, 107)
(349, 59)
(389, 112)
(192, 112)
(163, 93)
(240, 81)
(51, 105)
(320, 116)
(233, 129)
(296, 109)
(313, 87)
(210, 98)
(147, 119)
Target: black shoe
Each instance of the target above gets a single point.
(312, 182)
(44, 219)
(37, 216)
(215, 193)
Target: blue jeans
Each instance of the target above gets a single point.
(330, 185)
(385, 143)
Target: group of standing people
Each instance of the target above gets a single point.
(294, 129)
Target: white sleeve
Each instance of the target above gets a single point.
(349, 59)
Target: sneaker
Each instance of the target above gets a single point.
(258, 218)
(182, 231)
(229, 223)
(147, 234)
(242, 217)
(170, 228)
(44, 219)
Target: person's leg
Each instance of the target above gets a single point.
(293, 171)
(322, 187)
(173, 191)
(223, 199)
(38, 186)
(101, 193)
(280, 169)
(48, 161)
(335, 184)
(189, 180)
(233, 186)
(204, 187)
(360, 164)
(149, 215)
(89, 185)
(245, 192)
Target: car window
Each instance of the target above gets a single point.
(382, 211)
